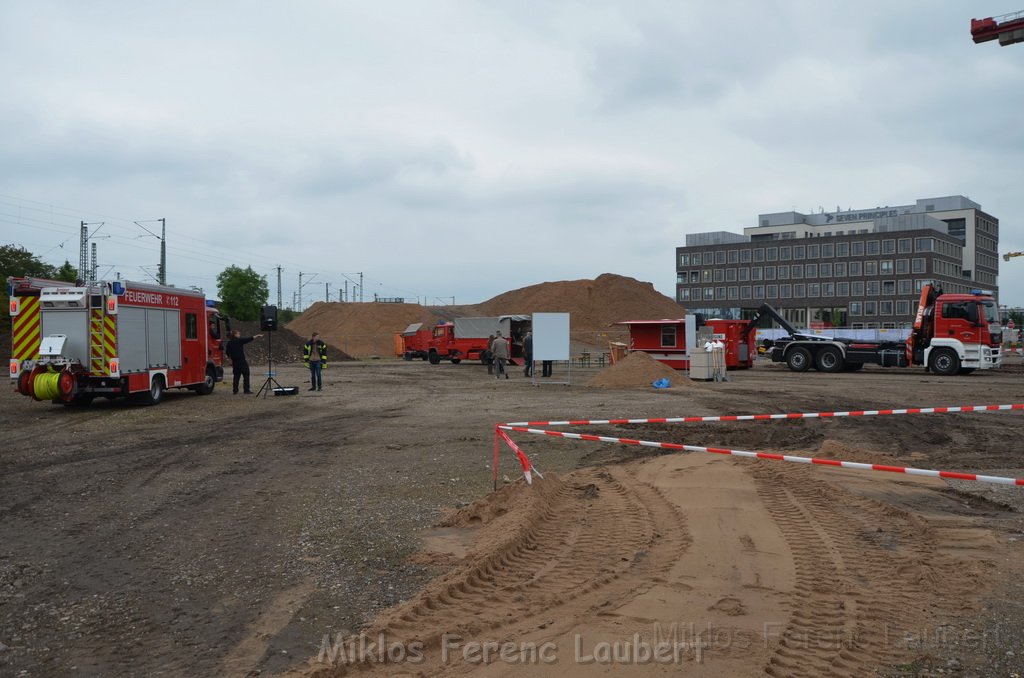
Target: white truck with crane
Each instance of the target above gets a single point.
(952, 334)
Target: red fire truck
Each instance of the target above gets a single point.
(72, 343)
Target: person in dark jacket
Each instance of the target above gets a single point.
(314, 357)
(528, 354)
(235, 349)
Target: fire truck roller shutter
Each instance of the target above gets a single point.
(71, 322)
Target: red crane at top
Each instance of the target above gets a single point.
(1008, 28)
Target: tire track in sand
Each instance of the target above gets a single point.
(865, 574)
(583, 544)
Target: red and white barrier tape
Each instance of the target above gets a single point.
(793, 415)
(524, 427)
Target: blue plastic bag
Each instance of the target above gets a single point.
(661, 383)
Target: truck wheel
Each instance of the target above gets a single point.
(156, 391)
(206, 388)
(434, 358)
(799, 359)
(944, 362)
(829, 359)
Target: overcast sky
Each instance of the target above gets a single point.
(462, 149)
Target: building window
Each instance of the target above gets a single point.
(785, 253)
(719, 275)
(769, 273)
(668, 336)
(757, 273)
(874, 288)
(825, 271)
(885, 267)
(843, 289)
(684, 294)
(840, 269)
(709, 293)
(719, 293)
(917, 265)
(813, 290)
(745, 256)
(885, 307)
(872, 248)
(784, 291)
(681, 277)
(745, 292)
(720, 257)
(903, 307)
(888, 247)
(857, 248)
(855, 308)
(842, 249)
(705, 275)
(811, 271)
(871, 267)
(744, 274)
(923, 244)
(902, 266)
(730, 275)
(734, 256)
(783, 272)
(684, 259)
(798, 251)
(888, 287)
(870, 308)
(813, 252)
(857, 288)
(759, 254)
(828, 289)
(797, 270)
(906, 286)
(734, 292)
(759, 292)
(856, 268)
(905, 246)
(773, 254)
(709, 258)
(827, 250)
(694, 276)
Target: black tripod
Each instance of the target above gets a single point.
(269, 382)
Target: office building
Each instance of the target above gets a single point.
(860, 268)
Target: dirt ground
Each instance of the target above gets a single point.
(233, 535)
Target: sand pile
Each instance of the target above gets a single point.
(637, 369)
(594, 304)
(368, 329)
(361, 330)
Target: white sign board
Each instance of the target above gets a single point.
(550, 336)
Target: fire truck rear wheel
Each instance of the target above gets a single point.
(156, 391)
(434, 358)
(945, 362)
(799, 359)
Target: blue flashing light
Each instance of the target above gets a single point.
(118, 288)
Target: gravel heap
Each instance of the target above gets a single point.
(286, 345)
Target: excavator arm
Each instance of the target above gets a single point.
(1011, 255)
